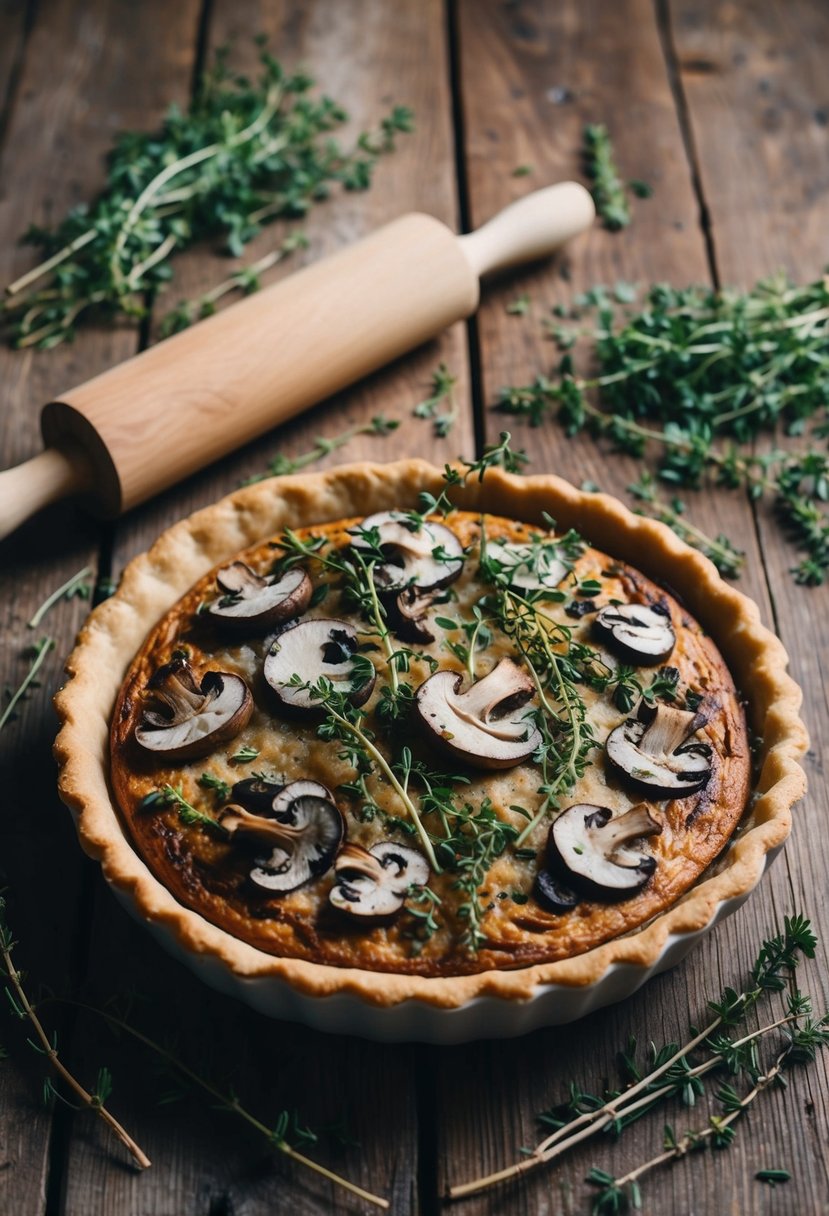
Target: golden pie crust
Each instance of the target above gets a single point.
(525, 946)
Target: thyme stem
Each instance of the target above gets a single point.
(50, 1051)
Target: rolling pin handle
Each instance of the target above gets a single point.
(42, 480)
(531, 228)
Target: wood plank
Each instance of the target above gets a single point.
(368, 55)
(758, 100)
(69, 100)
(533, 75)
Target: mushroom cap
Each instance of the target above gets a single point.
(374, 882)
(553, 894)
(528, 567)
(255, 794)
(639, 633)
(426, 557)
(192, 719)
(654, 756)
(486, 726)
(317, 648)
(588, 847)
(308, 828)
(407, 613)
(250, 601)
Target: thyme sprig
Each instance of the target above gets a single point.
(694, 378)
(441, 392)
(671, 1071)
(323, 446)
(189, 815)
(283, 1135)
(47, 1046)
(77, 586)
(608, 189)
(246, 280)
(619, 1194)
(243, 154)
(37, 655)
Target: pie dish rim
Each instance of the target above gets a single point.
(154, 581)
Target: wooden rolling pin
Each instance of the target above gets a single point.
(147, 423)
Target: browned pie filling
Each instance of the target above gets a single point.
(382, 744)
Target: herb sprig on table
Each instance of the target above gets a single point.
(692, 382)
(674, 1071)
(243, 154)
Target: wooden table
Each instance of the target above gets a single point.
(724, 108)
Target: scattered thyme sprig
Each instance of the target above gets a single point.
(247, 280)
(608, 189)
(618, 1195)
(46, 1045)
(37, 654)
(671, 1072)
(189, 815)
(282, 465)
(441, 390)
(695, 377)
(243, 154)
(286, 1131)
(75, 587)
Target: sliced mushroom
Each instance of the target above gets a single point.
(251, 601)
(187, 719)
(255, 794)
(425, 557)
(408, 615)
(588, 847)
(486, 726)
(639, 633)
(528, 567)
(553, 894)
(653, 752)
(304, 828)
(375, 882)
(317, 649)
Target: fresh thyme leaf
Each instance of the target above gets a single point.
(773, 1176)
(639, 188)
(220, 788)
(245, 755)
(519, 307)
(608, 188)
(523, 170)
(441, 390)
(242, 155)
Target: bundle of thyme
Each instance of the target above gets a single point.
(690, 382)
(675, 1072)
(243, 154)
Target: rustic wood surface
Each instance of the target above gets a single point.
(724, 108)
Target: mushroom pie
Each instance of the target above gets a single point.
(460, 732)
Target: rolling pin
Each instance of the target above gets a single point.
(147, 423)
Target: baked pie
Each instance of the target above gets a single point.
(430, 739)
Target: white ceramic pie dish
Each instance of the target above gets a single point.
(396, 1008)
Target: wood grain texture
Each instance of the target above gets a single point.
(758, 106)
(369, 56)
(751, 86)
(532, 76)
(67, 101)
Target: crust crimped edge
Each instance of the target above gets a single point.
(154, 581)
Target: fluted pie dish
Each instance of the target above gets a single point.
(436, 767)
